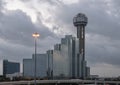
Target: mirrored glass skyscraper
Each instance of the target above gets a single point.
(65, 59)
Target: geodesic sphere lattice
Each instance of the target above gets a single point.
(80, 19)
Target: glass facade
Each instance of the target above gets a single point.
(50, 63)
(10, 67)
(28, 70)
(64, 57)
(41, 66)
(67, 61)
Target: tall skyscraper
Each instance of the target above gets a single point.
(10, 67)
(80, 21)
(66, 59)
(50, 64)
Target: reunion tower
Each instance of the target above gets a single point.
(80, 21)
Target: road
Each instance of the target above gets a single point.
(70, 81)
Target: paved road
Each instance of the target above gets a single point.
(78, 81)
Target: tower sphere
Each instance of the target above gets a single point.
(80, 19)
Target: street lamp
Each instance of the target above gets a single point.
(35, 35)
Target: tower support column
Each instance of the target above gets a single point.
(80, 21)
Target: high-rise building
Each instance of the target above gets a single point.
(64, 57)
(50, 64)
(63, 61)
(41, 66)
(10, 67)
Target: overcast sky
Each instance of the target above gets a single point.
(53, 19)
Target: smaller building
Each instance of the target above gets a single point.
(28, 67)
(41, 66)
(87, 72)
(94, 77)
(10, 67)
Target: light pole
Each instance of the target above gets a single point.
(35, 35)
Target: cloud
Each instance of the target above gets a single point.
(16, 39)
(53, 19)
(1, 4)
(102, 49)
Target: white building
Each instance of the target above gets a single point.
(12, 76)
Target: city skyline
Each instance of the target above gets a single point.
(61, 62)
(53, 20)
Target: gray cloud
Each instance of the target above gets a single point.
(99, 22)
(1, 4)
(102, 31)
(1, 7)
(101, 49)
(16, 27)
(16, 38)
